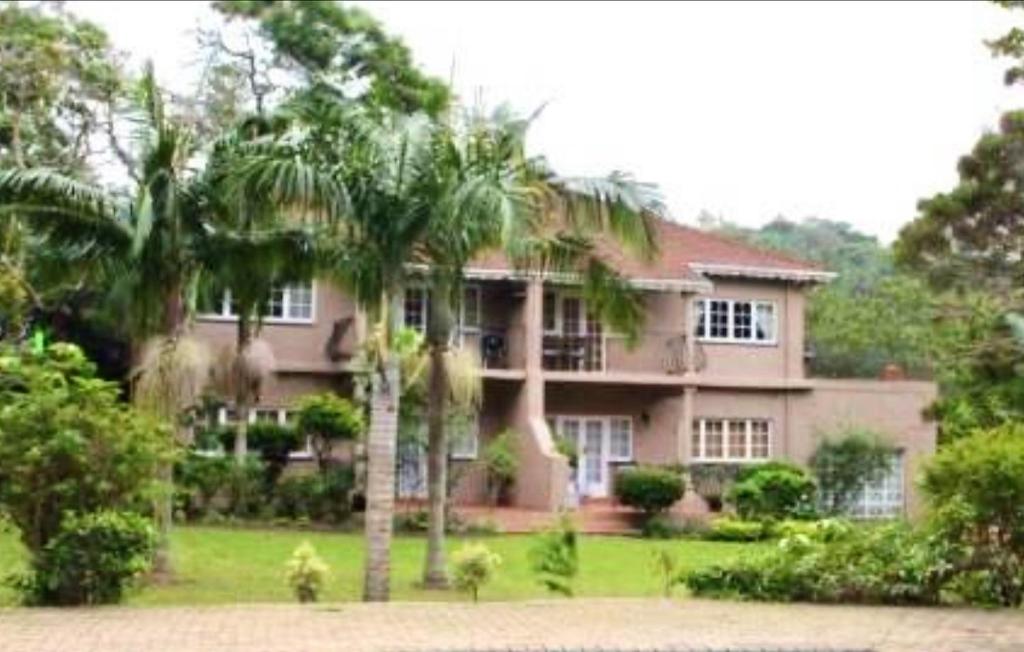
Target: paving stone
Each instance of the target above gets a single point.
(581, 625)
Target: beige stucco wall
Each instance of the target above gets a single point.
(296, 347)
(782, 360)
(655, 413)
(893, 409)
(772, 376)
(801, 419)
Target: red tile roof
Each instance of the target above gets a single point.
(680, 248)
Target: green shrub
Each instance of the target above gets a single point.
(501, 462)
(274, 443)
(658, 526)
(732, 529)
(474, 566)
(976, 488)
(891, 564)
(774, 490)
(569, 450)
(711, 481)
(69, 443)
(198, 480)
(327, 419)
(843, 464)
(306, 573)
(665, 567)
(245, 490)
(297, 496)
(554, 557)
(335, 495)
(649, 489)
(92, 560)
(324, 497)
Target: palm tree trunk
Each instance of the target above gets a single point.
(435, 571)
(380, 481)
(173, 323)
(381, 445)
(242, 398)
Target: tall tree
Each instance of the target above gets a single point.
(323, 43)
(151, 249)
(973, 235)
(247, 229)
(59, 83)
(483, 193)
(847, 337)
(59, 79)
(409, 191)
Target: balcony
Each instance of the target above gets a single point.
(658, 352)
(499, 348)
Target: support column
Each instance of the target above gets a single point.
(684, 432)
(689, 325)
(533, 323)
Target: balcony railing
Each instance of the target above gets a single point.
(656, 352)
(499, 348)
(574, 352)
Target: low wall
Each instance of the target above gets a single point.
(543, 472)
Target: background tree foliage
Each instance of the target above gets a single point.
(328, 44)
(59, 82)
(869, 316)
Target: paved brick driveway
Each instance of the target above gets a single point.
(605, 624)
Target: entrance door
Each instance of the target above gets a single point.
(594, 459)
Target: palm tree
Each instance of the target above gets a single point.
(484, 193)
(245, 230)
(359, 171)
(150, 249)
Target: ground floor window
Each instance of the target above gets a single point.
(463, 444)
(731, 440)
(228, 416)
(882, 498)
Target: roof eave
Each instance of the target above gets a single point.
(771, 273)
(654, 284)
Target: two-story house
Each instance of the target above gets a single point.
(718, 374)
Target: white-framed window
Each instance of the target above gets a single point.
(228, 416)
(566, 313)
(463, 435)
(464, 438)
(288, 304)
(620, 439)
(730, 320)
(731, 440)
(617, 433)
(416, 309)
(882, 498)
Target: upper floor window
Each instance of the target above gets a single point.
(416, 308)
(731, 440)
(289, 303)
(566, 313)
(228, 417)
(729, 320)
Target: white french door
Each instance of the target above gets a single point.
(594, 459)
(599, 442)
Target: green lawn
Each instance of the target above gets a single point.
(218, 565)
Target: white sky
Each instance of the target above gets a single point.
(844, 111)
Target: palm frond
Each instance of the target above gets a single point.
(615, 204)
(76, 217)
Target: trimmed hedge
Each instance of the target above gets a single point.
(650, 489)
